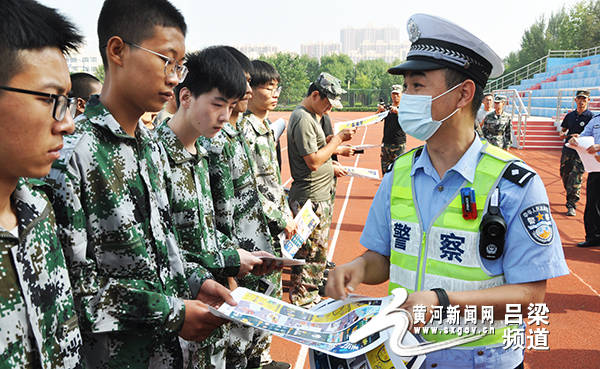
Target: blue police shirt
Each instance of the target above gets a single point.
(526, 257)
(593, 129)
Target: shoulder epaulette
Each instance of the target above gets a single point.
(518, 174)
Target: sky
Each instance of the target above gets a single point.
(288, 24)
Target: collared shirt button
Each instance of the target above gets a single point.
(440, 188)
(434, 365)
(480, 352)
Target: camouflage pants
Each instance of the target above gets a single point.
(207, 356)
(571, 173)
(305, 279)
(248, 346)
(389, 153)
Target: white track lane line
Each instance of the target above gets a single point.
(302, 355)
(584, 282)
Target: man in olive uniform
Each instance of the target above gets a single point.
(497, 125)
(394, 138)
(38, 324)
(571, 167)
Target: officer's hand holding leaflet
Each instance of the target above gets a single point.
(369, 268)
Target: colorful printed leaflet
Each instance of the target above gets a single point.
(372, 119)
(327, 331)
(362, 172)
(306, 221)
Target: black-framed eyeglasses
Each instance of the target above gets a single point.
(60, 105)
(171, 65)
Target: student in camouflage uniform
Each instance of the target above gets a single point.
(394, 138)
(38, 325)
(134, 292)
(212, 88)
(311, 166)
(571, 167)
(497, 125)
(239, 215)
(255, 127)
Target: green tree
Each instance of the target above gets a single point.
(294, 77)
(99, 73)
(340, 66)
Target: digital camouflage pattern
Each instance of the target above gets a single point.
(260, 140)
(116, 229)
(39, 327)
(497, 130)
(571, 173)
(389, 153)
(305, 279)
(239, 214)
(190, 196)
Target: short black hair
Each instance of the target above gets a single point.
(312, 88)
(241, 58)
(81, 85)
(213, 67)
(262, 73)
(134, 21)
(454, 77)
(28, 25)
(487, 94)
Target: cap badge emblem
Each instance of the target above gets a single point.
(413, 30)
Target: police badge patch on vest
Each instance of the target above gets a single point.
(538, 224)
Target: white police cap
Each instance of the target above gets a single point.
(438, 43)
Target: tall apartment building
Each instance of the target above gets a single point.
(320, 49)
(374, 43)
(84, 61)
(255, 51)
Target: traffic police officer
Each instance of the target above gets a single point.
(497, 125)
(571, 167)
(417, 234)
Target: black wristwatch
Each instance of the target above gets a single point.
(443, 300)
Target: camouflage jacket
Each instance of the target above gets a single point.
(188, 187)
(239, 212)
(259, 136)
(38, 328)
(116, 230)
(497, 130)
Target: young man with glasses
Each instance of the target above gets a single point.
(256, 129)
(136, 295)
(38, 324)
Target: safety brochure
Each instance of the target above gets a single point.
(326, 329)
(372, 119)
(362, 172)
(363, 147)
(590, 164)
(306, 221)
(283, 261)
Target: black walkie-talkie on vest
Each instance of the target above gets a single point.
(492, 230)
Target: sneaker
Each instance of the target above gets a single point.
(330, 265)
(570, 212)
(276, 365)
(589, 243)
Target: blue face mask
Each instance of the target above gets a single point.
(414, 115)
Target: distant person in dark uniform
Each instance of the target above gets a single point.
(487, 105)
(497, 127)
(394, 138)
(571, 167)
(591, 215)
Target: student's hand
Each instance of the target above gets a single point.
(394, 109)
(328, 138)
(247, 262)
(290, 229)
(346, 134)
(380, 108)
(345, 150)
(572, 140)
(214, 294)
(344, 279)
(593, 149)
(199, 321)
(268, 266)
(338, 170)
(562, 134)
